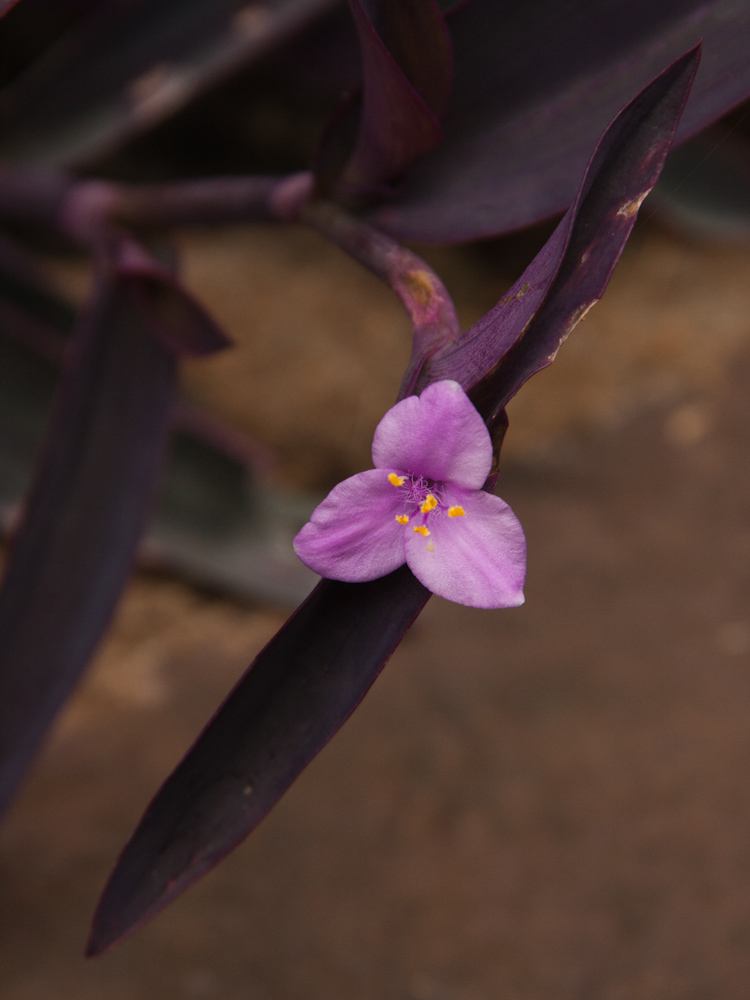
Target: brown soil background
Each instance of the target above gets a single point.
(548, 803)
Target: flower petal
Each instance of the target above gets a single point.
(438, 435)
(353, 535)
(476, 558)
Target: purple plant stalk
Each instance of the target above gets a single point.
(422, 293)
(413, 155)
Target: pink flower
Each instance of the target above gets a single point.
(423, 505)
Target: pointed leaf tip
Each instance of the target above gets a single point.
(174, 316)
(297, 694)
(524, 331)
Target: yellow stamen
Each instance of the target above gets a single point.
(422, 530)
(402, 518)
(430, 546)
(456, 511)
(395, 480)
(430, 503)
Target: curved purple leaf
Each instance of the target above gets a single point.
(396, 126)
(416, 35)
(172, 314)
(317, 668)
(535, 85)
(74, 548)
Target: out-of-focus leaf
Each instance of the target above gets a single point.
(314, 672)
(536, 84)
(573, 269)
(179, 321)
(218, 526)
(6, 5)
(32, 26)
(215, 521)
(415, 34)
(30, 313)
(396, 126)
(125, 67)
(704, 189)
(88, 503)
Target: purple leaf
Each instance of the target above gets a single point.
(415, 34)
(704, 189)
(535, 85)
(124, 67)
(91, 494)
(396, 126)
(297, 694)
(171, 313)
(524, 331)
(314, 672)
(32, 27)
(6, 5)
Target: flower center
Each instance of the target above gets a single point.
(423, 496)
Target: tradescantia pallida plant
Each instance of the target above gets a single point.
(460, 122)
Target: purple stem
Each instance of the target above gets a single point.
(214, 200)
(82, 209)
(421, 291)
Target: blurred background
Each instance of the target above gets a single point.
(544, 803)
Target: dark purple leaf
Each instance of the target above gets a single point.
(215, 520)
(704, 189)
(573, 269)
(6, 5)
(31, 27)
(124, 67)
(171, 313)
(415, 34)
(92, 491)
(396, 126)
(536, 83)
(314, 672)
(296, 695)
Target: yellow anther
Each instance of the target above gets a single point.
(402, 518)
(430, 503)
(422, 530)
(395, 480)
(456, 511)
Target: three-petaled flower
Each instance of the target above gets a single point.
(423, 505)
